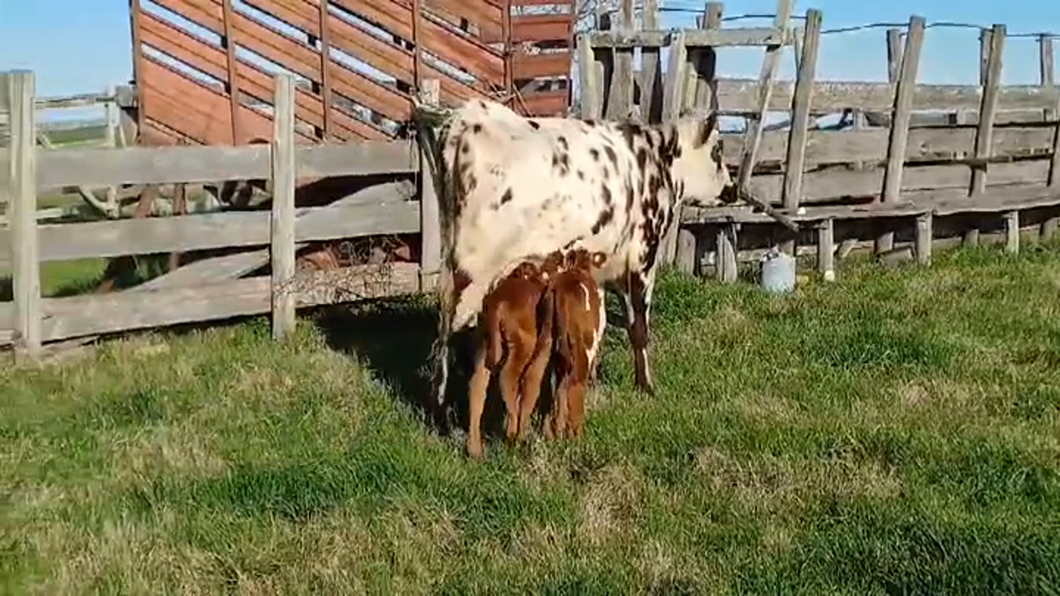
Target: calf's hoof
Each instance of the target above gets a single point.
(474, 449)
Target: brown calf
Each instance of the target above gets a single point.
(513, 343)
(577, 328)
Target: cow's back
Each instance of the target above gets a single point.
(530, 186)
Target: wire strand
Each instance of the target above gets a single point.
(866, 26)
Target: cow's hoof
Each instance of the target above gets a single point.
(646, 388)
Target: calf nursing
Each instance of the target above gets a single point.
(514, 344)
(536, 315)
(578, 328)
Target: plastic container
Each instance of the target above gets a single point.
(777, 272)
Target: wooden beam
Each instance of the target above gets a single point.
(1047, 77)
(93, 168)
(988, 109)
(825, 248)
(21, 88)
(430, 209)
(283, 211)
(590, 85)
(228, 18)
(899, 134)
(620, 99)
(325, 69)
(756, 37)
(740, 96)
(650, 69)
(800, 118)
(95, 314)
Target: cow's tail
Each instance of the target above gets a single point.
(433, 138)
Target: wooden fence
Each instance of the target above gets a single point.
(383, 209)
(111, 135)
(199, 65)
(916, 152)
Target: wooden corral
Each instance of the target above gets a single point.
(906, 152)
(199, 74)
(215, 288)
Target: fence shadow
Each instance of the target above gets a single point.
(393, 337)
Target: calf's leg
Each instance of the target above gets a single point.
(520, 350)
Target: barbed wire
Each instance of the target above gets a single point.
(866, 26)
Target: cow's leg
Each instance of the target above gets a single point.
(638, 304)
(477, 396)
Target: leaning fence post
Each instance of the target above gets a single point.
(22, 181)
(282, 220)
(898, 138)
(111, 142)
(430, 216)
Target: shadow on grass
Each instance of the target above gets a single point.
(393, 337)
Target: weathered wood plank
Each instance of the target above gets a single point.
(169, 165)
(216, 269)
(96, 314)
(848, 146)
(650, 69)
(898, 138)
(430, 210)
(740, 96)
(620, 100)
(939, 203)
(924, 236)
(60, 242)
(282, 217)
(800, 113)
(984, 137)
(761, 36)
(590, 88)
(833, 184)
(23, 240)
(825, 248)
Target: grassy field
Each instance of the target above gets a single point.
(896, 432)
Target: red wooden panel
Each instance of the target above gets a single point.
(532, 66)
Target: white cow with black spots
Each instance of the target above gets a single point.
(513, 188)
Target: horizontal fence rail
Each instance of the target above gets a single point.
(182, 296)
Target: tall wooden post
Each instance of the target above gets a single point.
(283, 212)
(22, 192)
(430, 214)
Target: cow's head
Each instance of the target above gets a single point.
(699, 164)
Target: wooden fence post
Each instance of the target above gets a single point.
(898, 137)
(673, 101)
(228, 18)
(620, 100)
(282, 220)
(924, 236)
(650, 68)
(826, 247)
(591, 87)
(111, 142)
(791, 192)
(1048, 80)
(22, 180)
(430, 216)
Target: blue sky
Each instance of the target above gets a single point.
(78, 46)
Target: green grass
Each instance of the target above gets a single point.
(83, 134)
(895, 432)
